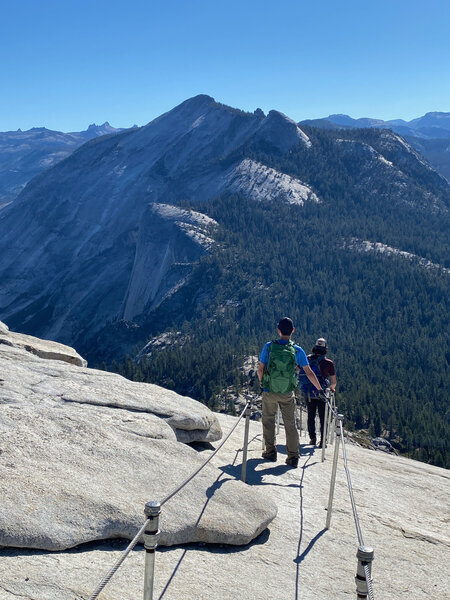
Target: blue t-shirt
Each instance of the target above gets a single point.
(300, 356)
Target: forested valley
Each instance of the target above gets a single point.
(385, 316)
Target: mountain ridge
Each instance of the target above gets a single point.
(118, 244)
(429, 134)
(25, 154)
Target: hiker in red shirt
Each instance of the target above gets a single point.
(324, 369)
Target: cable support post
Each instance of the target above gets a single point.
(330, 417)
(299, 415)
(338, 427)
(152, 511)
(363, 577)
(325, 430)
(248, 413)
(334, 418)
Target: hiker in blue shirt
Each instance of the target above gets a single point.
(279, 363)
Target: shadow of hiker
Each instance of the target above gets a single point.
(307, 450)
(308, 548)
(255, 477)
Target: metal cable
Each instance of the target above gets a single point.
(186, 481)
(107, 578)
(368, 575)
(333, 410)
(350, 488)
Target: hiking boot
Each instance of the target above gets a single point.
(312, 441)
(292, 461)
(272, 456)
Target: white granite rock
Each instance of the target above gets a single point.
(83, 450)
(42, 348)
(403, 512)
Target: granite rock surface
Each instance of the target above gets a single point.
(39, 347)
(82, 451)
(403, 512)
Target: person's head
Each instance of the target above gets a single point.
(285, 327)
(320, 347)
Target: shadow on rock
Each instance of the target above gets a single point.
(255, 477)
(308, 548)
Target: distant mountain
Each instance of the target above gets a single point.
(430, 134)
(114, 199)
(209, 223)
(431, 125)
(434, 120)
(25, 154)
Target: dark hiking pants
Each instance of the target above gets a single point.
(313, 405)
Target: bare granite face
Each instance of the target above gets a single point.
(39, 347)
(83, 450)
(403, 511)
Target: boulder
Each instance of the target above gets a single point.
(42, 348)
(82, 451)
(380, 443)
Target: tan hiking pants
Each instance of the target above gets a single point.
(286, 402)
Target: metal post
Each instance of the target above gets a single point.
(325, 431)
(330, 417)
(248, 412)
(365, 558)
(151, 534)
(339, 420)
(333, 418)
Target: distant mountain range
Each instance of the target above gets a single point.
(182, 243)
(430, 134)
(24, 154)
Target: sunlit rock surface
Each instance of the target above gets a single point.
(402, 507)
(82, 451)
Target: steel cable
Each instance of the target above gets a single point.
(367, 570)
(186, 481)
(107, 578)
(333, 410)
(368, 575)
(350, 488)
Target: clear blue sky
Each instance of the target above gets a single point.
(68, 63)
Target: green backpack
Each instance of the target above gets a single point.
(279, 375)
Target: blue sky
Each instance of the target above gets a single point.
(68, 63)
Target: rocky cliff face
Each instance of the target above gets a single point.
(97, 238)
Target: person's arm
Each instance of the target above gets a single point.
(312, 377)
(333, 383)
(261, 367)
